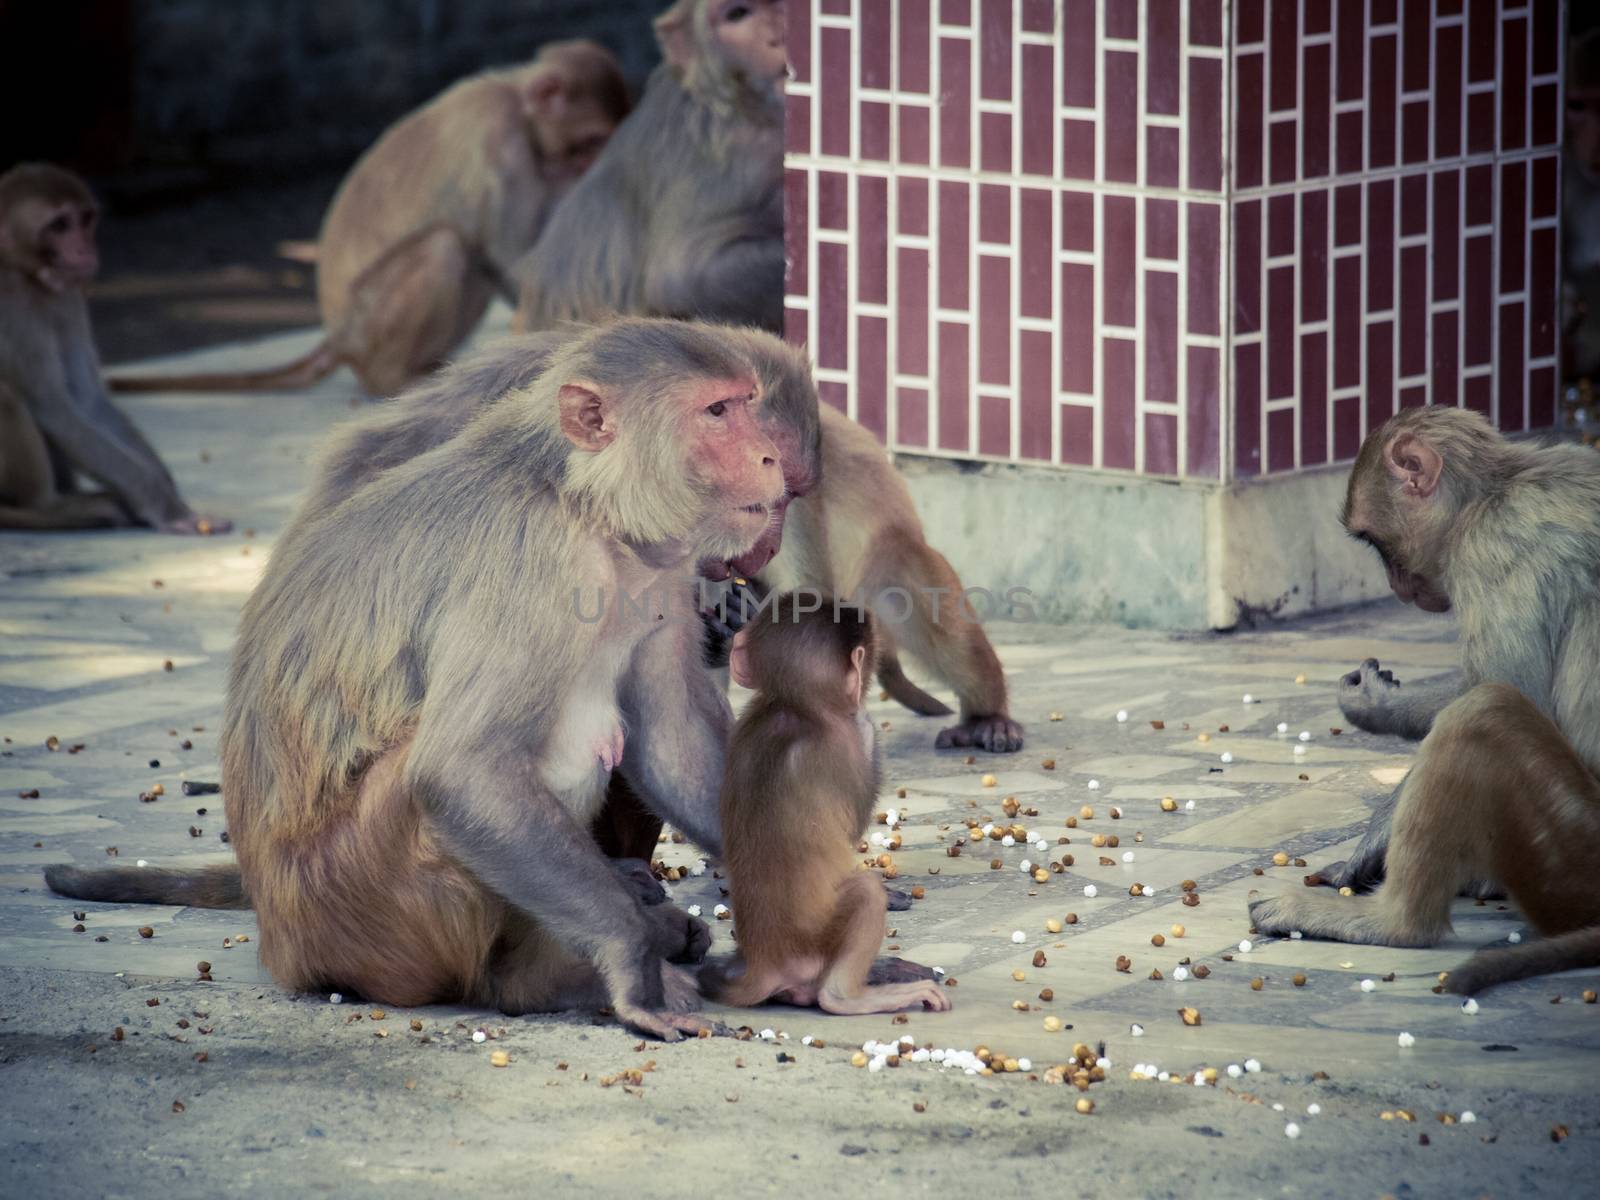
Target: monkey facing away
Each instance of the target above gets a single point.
(800, 783)
(682, 215)
(423, 711)
(422, 232)
(1505, 784)
(55, 417)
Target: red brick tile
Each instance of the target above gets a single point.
(1038, 16)
(1205, 22)
(1247, 266)
(1280, 224)
(1280, 333)
(1545, 116)
(1413, 310)
(911, 311)
(1380, 245)
(797, 41)
(833, 115)
(877, 44)
(1247, 410)
(912, 199)
(1447, 95)
(1162, 48)
(994, 426)
(1161, 156)
(911, 414)
(1346, 427)
(1477, 394)
(1078, 53)
(872, 239)
(1077, 149)
(955, 102)
(1314, 256)
(1481, 40)
(1541, 398)
(1417, 24)
(1414, 131)
(1247, 127)
(796, 229)
(954, 243)
(1077, 435)
(1161, 229)
(1202, 406)
(1035, 401)
(1160, 443)
(1378, 387)
(1350, 148)
(1446, 234)
(1351, 38)
(832, 301)
(1413, 204)
(914, 134)
(1512, 86)
(833, 394)
(1204, 267)
(1034, 260)
(955, 12)
(871, 374)
(1161, 336)
(1284, 49)
(1546, 193)
(1119, 259)
(874, 118)
(1077, 221)
(1513, 226)
(1509, 368)
(795, 322)
(1313, 399)
(1478, 301)
(1319, 16)
(1117, 397)
(833, 200)
(1038, 106)
(1542, 294)
(1077, 328)
(1347, 214)
(994, 213)
(994, 48)
(1381, 104)
(1414, 396)
(994, 131)
(1280, 440)
(1281, 141)
(797, 124)
(1317, 113)
(1443, 371)
(1120, 119)
(914, 46)
(1122, 20)
(1249, 21)
(1480, 123)
(994, 319)
(1480, 194)
(1346, 322)
(1205, 124)
(954, 421)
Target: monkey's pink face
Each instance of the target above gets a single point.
(799, 477)
(65, 245)
(734, 464)
(751, 34)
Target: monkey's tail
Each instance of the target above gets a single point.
(320, 362)
(218, 886)
(1564, 952)
(894, 681)
(729, 980)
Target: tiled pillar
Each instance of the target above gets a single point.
(1210, 241)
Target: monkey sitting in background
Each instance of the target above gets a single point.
(1507, 781)
(799, 786)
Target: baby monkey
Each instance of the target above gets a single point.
(800, 784)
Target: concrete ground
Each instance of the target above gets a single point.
(121, 1074)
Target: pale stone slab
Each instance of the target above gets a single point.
(60, 674)
(24, 778)
(87, 716)
(47, 825)
(1275, 821)
(1006, 782)
(1134, 766)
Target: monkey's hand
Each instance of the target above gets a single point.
(997, 734)
(677, 936)
(193, 523)
(639, 879)
(667, 1015)
(898, 970)
(1366, 695)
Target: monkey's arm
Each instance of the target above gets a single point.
(99, 441)
(1374, 700)
(733, 279)
(678, 725)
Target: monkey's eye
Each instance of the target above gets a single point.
(59, 224)
(735, 12)
(720, 408)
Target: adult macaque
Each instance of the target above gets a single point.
(55, 417)
(682, 215)
(424, 229)
(1580, 207)
(800, 784)
(424, 707)
(1505, 786)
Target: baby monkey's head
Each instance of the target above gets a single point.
(807, 650)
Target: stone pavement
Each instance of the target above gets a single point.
(113, 653)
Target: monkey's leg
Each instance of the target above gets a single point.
(892, 677)
(845, 990)
(411, 308)
(1374, 700)
(30, 496)
(917, 594)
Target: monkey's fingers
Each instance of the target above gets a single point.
(898, 970)
(664, 1026)
(997, 734)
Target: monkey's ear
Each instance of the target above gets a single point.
(739, 661)
(586, 417)
(675, 34)
(547, 95)
(853, 681)
(1414, 462)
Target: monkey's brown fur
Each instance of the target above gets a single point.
(682, 215)
(420, 723)
(1506, 783)
(55, 416)
(425, 228)
(801, 780)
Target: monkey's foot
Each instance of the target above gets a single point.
(996, 734)
(1317, 914)
(889, 997)
(898, 970)
(676, 936)
(664, 1026)
(1364, 695)
(1357, 874)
